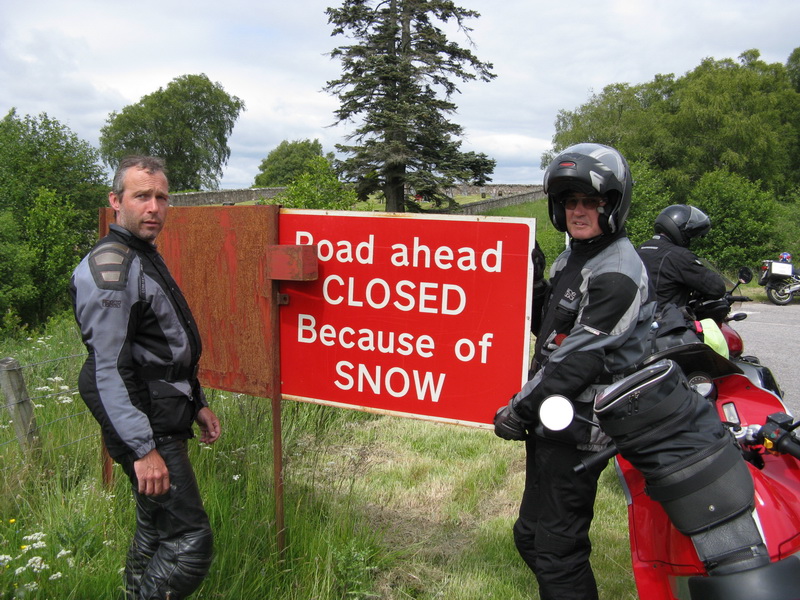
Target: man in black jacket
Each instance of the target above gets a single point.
(675, 272)
(140, 382)
(596, 316)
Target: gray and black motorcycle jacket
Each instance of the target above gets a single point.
(594, 331)
(676, 272)
(139, 380)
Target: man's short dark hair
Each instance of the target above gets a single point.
(151, 164)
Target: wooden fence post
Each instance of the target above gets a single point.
(18, 403)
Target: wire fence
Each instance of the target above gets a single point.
(43, 412)
(42, 415)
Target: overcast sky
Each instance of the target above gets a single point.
(78, 61)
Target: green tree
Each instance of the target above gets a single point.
(740, 116)
(52, 238)
(629, 118)
(286, 162)
(18, 292)
(37, 152)
(793, 68)
(476, 167)
(319, 188)
(650, 197)
(398, 80)
(187, 124)
(44, 169)
(742, 220)
(787, 225)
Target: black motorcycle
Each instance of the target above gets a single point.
(781, 280)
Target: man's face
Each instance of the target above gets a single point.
(142, 208)
(582, 214)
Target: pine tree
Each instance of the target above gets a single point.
(398, 80)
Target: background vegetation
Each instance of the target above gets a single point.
(724, 137)
(51, 184)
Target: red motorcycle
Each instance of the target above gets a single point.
(710, 464)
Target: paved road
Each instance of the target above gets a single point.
(772, 333)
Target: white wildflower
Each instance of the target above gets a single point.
(37, 564)
(35, 537)
(5, 559)
(236, 477)
(63, 553)
(55, 576)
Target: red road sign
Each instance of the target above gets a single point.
(423, 316)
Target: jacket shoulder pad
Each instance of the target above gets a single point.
(109, 264)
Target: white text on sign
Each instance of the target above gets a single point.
(417, 256)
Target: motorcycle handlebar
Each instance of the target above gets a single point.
(778, 432)
(596, 459)
(790, 446)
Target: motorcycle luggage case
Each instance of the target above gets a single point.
(674, 437)
(774, 270)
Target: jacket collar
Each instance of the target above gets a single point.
(131, 240)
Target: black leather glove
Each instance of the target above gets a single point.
(538, 262)
(508, 425)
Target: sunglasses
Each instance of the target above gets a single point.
(589, 202)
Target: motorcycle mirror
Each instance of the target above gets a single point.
(745, 275)
(556, 413)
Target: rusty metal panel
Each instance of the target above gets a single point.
(218, 255)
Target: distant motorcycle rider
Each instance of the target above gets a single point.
(676, 273)
(786, 257)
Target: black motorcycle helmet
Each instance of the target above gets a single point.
(590, 169)
(682, 223)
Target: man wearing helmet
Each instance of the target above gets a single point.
(596, 319)
(675, 271)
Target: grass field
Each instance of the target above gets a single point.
(376, 507)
